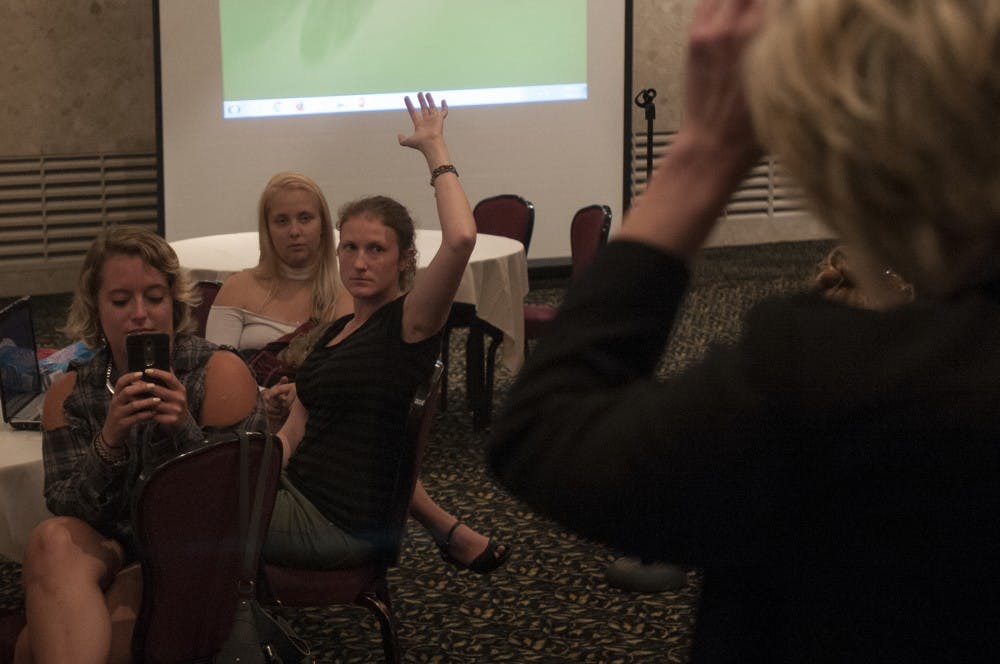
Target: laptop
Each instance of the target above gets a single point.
(21, 388)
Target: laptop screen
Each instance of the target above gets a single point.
(20, 379)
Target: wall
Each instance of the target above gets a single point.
(766, 208)
(77, 133)
(77, 77)
(658, 41)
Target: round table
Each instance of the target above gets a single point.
(22, 482)
(495, 281)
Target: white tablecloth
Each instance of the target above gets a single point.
(495, 281)
(22, 479)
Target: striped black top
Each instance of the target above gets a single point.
(358, 395)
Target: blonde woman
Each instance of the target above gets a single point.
(835, 472)
(103, 427)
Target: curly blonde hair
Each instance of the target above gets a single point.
(886, 112)
(84, 322)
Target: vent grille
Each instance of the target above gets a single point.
(767, 190)
(52, 207)
(766, 207)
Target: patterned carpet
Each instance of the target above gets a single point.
(550, 602)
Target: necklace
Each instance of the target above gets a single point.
(107, 378)
(296, 274)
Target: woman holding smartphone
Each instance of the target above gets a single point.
(103, 426)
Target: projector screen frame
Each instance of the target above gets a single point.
(559, 261)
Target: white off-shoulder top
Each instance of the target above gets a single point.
(242, 329)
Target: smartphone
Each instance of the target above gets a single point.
(148, 350)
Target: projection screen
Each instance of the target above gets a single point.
(251, 87)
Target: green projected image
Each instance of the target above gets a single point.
(309, 56)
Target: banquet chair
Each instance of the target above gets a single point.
(366, 585)
(187, 525)
(208, 290)
(507, 215)
(588, 233)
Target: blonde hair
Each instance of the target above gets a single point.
(84, 321)
(325, 277)
(886, 112)
(299, 348)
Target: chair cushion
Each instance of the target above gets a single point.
(317, 587)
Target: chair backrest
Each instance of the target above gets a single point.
(208, 291)
(508, 215)
(588, 233)
(418, 427)
(186, 519)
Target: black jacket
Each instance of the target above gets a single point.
(836, 473)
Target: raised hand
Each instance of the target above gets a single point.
(428, 124)
(716, 143)
(714, 102)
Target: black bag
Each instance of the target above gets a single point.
(257, 636)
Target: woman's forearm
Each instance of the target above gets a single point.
(458, 227)
(292, 431)
(688, 191)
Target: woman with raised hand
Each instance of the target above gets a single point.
(342, 436)
(274, 312)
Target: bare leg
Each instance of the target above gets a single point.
(68, 567)
(122, 600)
(466, 544)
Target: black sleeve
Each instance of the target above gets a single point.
(588, 436)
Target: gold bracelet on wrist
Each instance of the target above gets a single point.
(107, 454)
(441, 170)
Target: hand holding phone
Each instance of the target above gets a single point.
(134, 401)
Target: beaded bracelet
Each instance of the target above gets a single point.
(441, 170)
(106, 453)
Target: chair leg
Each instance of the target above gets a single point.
(379, 603)
(474, 374)
(445, 344)
(496, 336)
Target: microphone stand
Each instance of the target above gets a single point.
(644, 100)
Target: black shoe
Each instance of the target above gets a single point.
(486, 562)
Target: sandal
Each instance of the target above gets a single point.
(485, 562)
